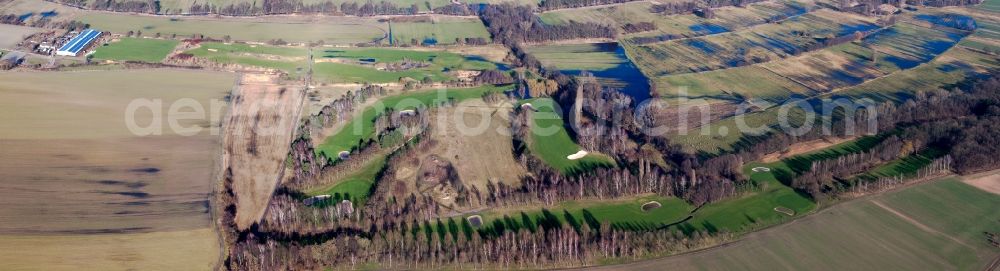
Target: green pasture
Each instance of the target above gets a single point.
(730, 85)
(577, 57)
(444, 31)
(183, 6)
(136, 49)
(340, 31)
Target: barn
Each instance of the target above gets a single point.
(78, 43)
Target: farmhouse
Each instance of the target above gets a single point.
(78, 43)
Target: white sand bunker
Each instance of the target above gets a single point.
(343, 155)
(577, 155)
(528, 106)
(760, 169)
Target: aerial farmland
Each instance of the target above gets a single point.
(499, 135)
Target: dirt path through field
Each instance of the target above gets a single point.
(917, 223)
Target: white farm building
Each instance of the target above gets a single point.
(78, 43)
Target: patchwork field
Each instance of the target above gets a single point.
(592, 56)
(936, 225)
(758, 44)
(678, 26)
(928, 56)
(73, 168)
(136, 49)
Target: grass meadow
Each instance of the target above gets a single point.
(336, 31)
(577, 56)
(136, 49)
(182, 6)
(331, 30)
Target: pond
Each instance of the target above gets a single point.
(625, 75)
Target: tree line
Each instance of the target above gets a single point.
(510, 24)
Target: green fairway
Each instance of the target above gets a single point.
(362, 128)
(741, 214)
(136, 49)
(357, 186)
(623, 214)
(551, 142)
(754, 210)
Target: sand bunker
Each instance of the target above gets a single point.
(760, 169)
(528, 106)
(577, 155)
(646, 207)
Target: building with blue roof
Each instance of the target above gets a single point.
(78, 43)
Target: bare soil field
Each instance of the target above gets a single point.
(10, 35)
(170, 250)
(989, 182)
(258, 133)
(80, 190)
